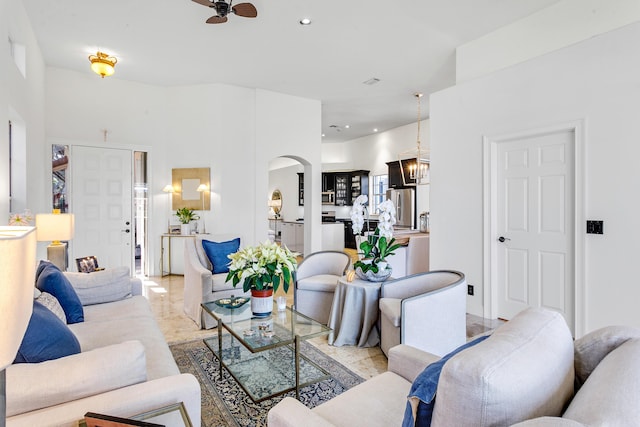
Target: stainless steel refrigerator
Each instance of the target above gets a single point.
(404, 200)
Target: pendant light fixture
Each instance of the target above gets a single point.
(103, 64)
(414, 164)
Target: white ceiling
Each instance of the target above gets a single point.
(409, 45)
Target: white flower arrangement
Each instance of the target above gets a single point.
(25, 218)
(379, 245)
(262, 267)
(358, 211)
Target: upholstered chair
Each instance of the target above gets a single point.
(426, 311)
(200, 283)
(316, 281)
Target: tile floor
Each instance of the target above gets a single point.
(166, 297)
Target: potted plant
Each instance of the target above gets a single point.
(185, 216)
(377, 246)
(261, 269)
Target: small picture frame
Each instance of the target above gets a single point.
(87, 264)
(174, 229)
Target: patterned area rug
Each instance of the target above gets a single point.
(224, 402)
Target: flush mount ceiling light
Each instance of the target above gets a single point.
(305, 21)
(103, 64)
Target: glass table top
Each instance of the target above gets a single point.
(261, 333)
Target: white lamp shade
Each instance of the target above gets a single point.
(52, 227)
(17, 267)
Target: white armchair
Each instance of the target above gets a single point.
(426, 311)
(316, 281)
(200, 284)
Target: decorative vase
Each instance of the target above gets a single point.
(262, 302)
(185, 229)
(380, 276)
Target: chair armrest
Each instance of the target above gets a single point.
(196, 276)
(290, 412)
(420, 283)
(408, 361)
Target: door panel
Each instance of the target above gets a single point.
(535, 215)
(102, 202)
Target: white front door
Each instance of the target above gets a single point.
(101, 200)
(535, 224)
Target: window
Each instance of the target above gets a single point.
(378, 191)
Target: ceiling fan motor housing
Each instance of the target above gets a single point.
(222, 8)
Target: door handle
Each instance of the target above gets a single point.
(503, 239)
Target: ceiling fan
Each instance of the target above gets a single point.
(223, 8)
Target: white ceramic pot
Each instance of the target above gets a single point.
(185, 229)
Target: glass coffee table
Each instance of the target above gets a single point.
(263, 354)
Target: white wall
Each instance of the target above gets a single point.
(286, 180)
(552, 28)
(217, 126)
(22, 102)
(595, 81)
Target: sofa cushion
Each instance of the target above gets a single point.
(421, 399)
(610, 394)
(40, 385)
(217, 253)
(524, 370)
(99, 287)
(381, 398)
(52, 280)
(390, 308)
(46, 338)
(320, 283)
(593, 347)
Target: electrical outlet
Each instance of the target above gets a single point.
(470, 290)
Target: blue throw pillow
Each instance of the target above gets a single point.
(46, 338)
(217, 253)
(424, 388)
(53, 281)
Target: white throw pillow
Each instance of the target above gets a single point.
(51, 302)
(111, 284)
(32, 386)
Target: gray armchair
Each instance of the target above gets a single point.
(200, 284)
(316, 281)
(426, 311)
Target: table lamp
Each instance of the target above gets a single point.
(17, 267)
(202, 188)
(55, 227)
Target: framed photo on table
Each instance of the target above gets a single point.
(87, 264)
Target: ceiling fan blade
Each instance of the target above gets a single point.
(245, 9)
(215, 19)
(205, 3)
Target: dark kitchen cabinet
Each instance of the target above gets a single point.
(359, 185)
(343, 181)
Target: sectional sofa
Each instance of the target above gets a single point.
(528, 373)
(125, 366)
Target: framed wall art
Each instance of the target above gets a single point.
(192, 189)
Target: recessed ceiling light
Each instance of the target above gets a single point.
(323, 135)
(347, 126)
(375, 129)
(305, 21)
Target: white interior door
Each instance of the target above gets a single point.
(101, 200)
(535, 224)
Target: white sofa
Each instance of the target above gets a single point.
(125, 366)
(522, 374)
(200, 284)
